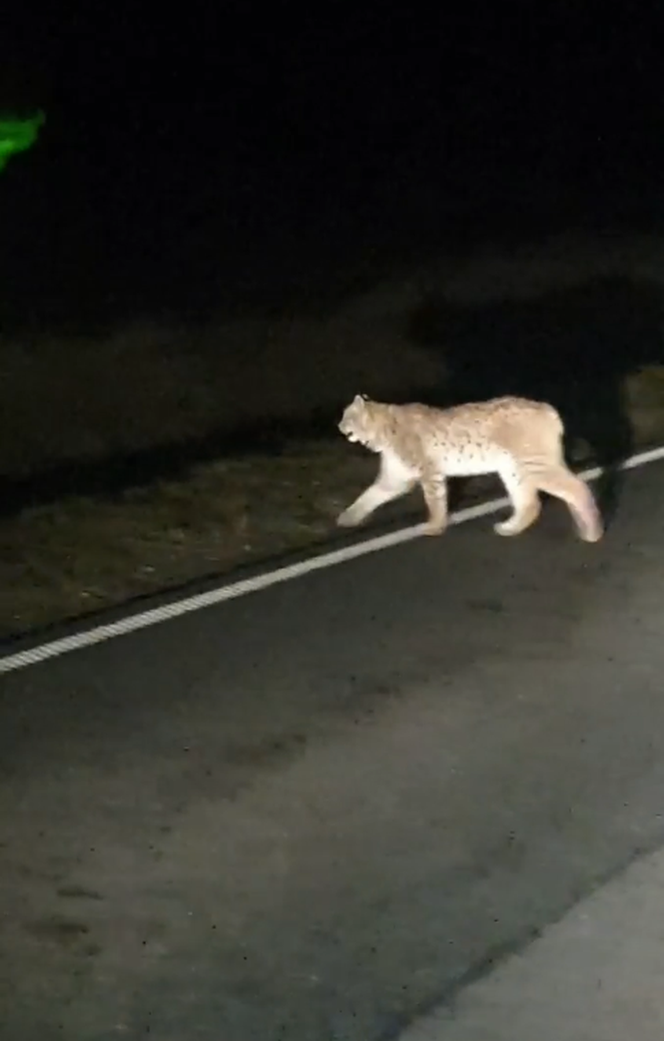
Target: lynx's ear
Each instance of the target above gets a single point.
(360, 399)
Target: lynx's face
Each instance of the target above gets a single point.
(355, 423)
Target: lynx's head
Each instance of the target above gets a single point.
(358, 423)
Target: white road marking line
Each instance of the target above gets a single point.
(131, 623)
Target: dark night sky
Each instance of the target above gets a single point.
(174, 136)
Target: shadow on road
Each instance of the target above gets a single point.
(570, 347)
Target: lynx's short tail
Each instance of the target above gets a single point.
(554, 432)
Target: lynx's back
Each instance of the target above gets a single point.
(476, 438)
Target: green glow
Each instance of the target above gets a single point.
(17, 135)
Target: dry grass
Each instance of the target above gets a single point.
(148, 385)
(86, 553)
(65, 400)
(645, 405)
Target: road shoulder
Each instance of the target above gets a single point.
(596, 975)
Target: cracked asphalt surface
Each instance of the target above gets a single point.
(322, 809)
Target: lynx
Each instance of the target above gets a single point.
(518, 439)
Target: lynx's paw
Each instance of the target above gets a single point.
(507, 528)
(433, 528)
(350, 518)
(593, 530)
(519, 521)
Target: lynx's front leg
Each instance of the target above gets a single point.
(394, 480)
(434, 487)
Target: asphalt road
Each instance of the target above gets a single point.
(319, 810)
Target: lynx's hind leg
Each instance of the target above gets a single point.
(394, 480)
(575, 493)
(523, 492)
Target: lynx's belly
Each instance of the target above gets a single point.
(469, 460)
